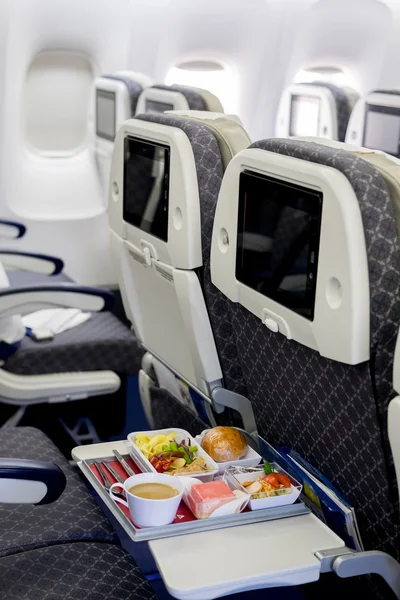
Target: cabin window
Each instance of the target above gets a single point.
(340, 77)
(213, 76)
(56, 103)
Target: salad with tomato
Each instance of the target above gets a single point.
(268, 483)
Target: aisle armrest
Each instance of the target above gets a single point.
(26, 299)
(33, 262)
(30, 481)
(11, 230)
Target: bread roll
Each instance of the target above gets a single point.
(224, 444)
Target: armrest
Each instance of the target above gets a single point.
(28, 261)
(30, 481)
(26, 299)
(11, 230)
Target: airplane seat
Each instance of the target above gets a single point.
(316, 334)
(20, 277)
(72, 365)
(26, 268)
(163, 258)
(97, 570)
(318, 109)
(375, 122)
(345, 100)
(102, 343)
(116, 97)
(75, 516)
(160, 98)
(68, 535)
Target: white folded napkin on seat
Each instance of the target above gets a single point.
(55, 320)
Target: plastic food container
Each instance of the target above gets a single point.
(145, 465)
(251, 459)
(235, 476)
(216, 498)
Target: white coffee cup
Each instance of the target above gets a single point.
(146, 512)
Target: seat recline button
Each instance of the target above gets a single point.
(272, 325)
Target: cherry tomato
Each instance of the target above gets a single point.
(283, 479)
(272, 480)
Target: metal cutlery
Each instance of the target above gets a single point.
(123, 463)
(113, 472)
(106, 480)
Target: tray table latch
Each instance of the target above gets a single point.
(223, 397)
(349, 563)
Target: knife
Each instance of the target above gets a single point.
(107, 483)
(123, 463)
(113, 472)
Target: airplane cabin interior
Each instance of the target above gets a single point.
(199, 299)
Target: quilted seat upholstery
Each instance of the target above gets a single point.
(75, 516)
(343, 106)
(91, 571)
(335, 414)
(102, 343)
(134, 89)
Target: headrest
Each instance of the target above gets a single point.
(160, 98)
(318, 108)
(212, 103)
(387, 165)
(228, 129)
(375, 122)
(197, 149)
(134, 88)
(283, 207)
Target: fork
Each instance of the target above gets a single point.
(106, 481)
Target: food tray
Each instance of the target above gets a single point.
(236, 478)
(185, 522)
(181, 434)
(251, 458)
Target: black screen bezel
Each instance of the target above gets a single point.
(135, 219)
(109, 95)
(296, 97)
(251, 181)
(166, 105)
(386, 110)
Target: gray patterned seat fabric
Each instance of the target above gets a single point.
(335, 414)
(209, 167)
(88, 571)
(168, 412)
(102, 343)
(73, 517)
(134, 89)
(343, 107)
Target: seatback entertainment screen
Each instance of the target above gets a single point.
(304, 115)
(146, 186)
(105, 115)
(382, 128)
(278, 240)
